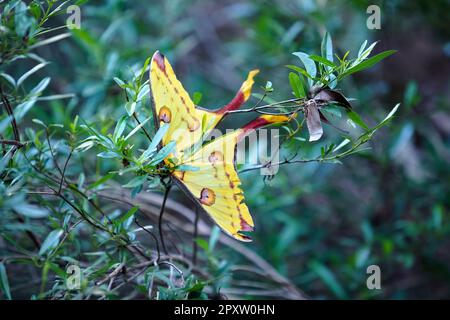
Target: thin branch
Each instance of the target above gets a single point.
(10, 112)
(161, 212)
(12, 142)
(285, 161)
(47, 137)
(267, 106)
(153, 236)
(120, 268)
(142, 127)
(63, 173)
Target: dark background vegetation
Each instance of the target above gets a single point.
(318, 225)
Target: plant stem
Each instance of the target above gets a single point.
(142, 127)
(161, 213)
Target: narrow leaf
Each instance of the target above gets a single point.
(50, 40)
(322, 60)
(136, 129)
(101, 181)
(327, 47)
(309, 64)
(137, 181)
(357, 119)
(31, 211)
(163, 153)
(129, 214)
(296, 85)
(51, 241)
(30, 72)
(368, 63)
(4, 284)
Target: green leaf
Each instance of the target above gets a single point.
(119, 82)
(39, 122)
(51, 241)
(368, 63)
(137, 181)
(50, 40)
(129, 214)
(327, 47)
(144, 69)
(4, 123)
(56, 97)
(332, 110)
(412, 95)
(40, 86)
(101, 181)
(362, 256)
(4, 284)
(163, 153)
(136, 128)
(364, 53)
(299, 70)
(159, 135)
(120, 127)
(8, 78)
(309, 64)
(30, 72)
(197, 97)
(143, 92)
(387, 118)
(202, 243)
(214, 237)
(361, 49)
(329, 279)
(342, 144)
(296, 85)
(23, 22)
(108, 155)
(357, 119)
(31, 211)
(130, 107)
(322, 60)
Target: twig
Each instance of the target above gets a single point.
(10, 112)
(285, 161)
(12, 142)
(161, 212)
(142, 127)
(47, 137)
(153, 236)
(267, 106)
(63, 173)
(112, 275)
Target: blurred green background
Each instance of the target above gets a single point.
(319, 225)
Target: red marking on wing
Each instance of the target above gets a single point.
(253, 125)
(261, 122)
(234, 104)
(245, 226)
(159, 59)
